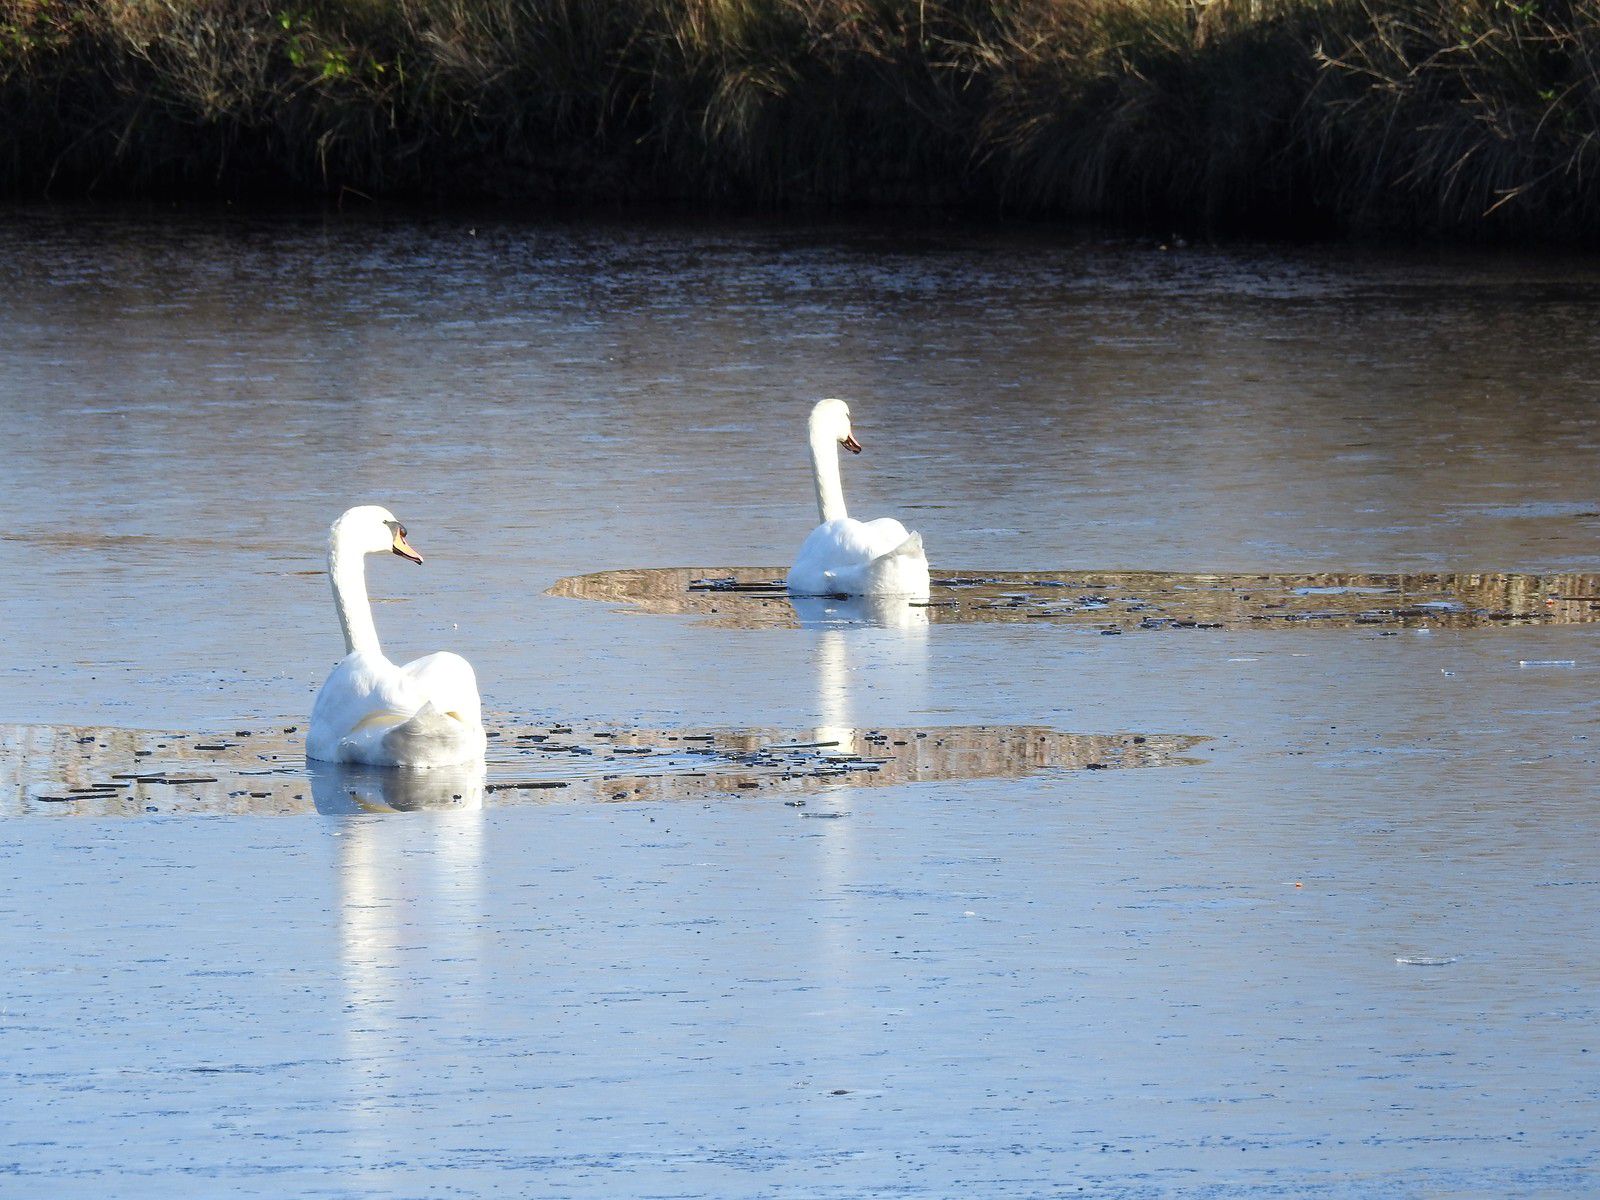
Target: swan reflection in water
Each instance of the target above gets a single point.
(875, 635)
(412, 918)
(343, 789)
(884, 612)
(866, 650)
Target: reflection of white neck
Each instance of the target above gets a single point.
(348, 572)
(387, 904)
(833, 692)
(825, 469)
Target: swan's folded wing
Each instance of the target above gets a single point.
(432, 737)
(360, 693)
(886, 536)
(900, 571)
(447, 682)
(363, 741)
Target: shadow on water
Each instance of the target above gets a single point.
(754, 598)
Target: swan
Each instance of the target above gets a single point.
(424, 714)
(843, 556)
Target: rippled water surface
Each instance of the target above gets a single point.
(1339, 939)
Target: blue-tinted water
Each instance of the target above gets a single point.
(1181, 980)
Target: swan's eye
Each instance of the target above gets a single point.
(402, 531)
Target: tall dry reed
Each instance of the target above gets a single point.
(1461, 117)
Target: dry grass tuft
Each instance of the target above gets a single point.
(1462, 117)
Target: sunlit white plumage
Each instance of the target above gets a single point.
(843, 556)
(424, 714)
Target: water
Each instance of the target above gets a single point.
(1109, 601)
(76, 771)
(1183, 979)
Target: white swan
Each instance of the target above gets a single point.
(844, 556)
(424, 714)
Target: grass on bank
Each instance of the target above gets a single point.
(1463, 117)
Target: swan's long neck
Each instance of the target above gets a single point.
(825, 469)
(348, 572)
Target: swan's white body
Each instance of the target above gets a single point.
(843, 556)
(424, 714)
(846, 557)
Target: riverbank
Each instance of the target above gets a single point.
(1472, 119)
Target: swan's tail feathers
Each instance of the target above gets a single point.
(433, 737)
(901, 571)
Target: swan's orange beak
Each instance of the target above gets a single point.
(403, 547)
(851, 444)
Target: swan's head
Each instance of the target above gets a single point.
(372, 529)
(830, 422)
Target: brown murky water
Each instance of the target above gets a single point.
(88, 772)
(1112, 601)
